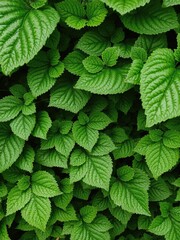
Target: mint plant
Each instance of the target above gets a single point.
(89, 119)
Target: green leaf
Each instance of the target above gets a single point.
(26, 159)
(124, 149)
(120, 214)
(11, 147)
(3, 232)
(69, 214)
(118, 135)
(151, 19)
(76, 22)
(37, 212)
(38, 3)
(110, 56)
(92, 43)
(78, 157)
(96, 13)
(17, 199)
(23, 125)
(10, 107)
(24, 183)
(51, 158)
(63, 200)
(138, 53)
(43, 124)
(159, 190)
(132, 196)
(151, 43)
(85, 136)
(171, 139)
(89, 231)
(99, 169)
(19, 42)
(64, 96)
(142, 145)
(64, 144)
(70, 8)
(160, 158)
(44, 184)
(38, 77)
(108, 81)
(98, 120)
(168, 3)
(93, 64)
(73, 62)
(160, 87)
(103, 146)
(18, 90)
(124, 7)
(155, 135)
(125, 173)
(88, 213)
(134, 72)
(56, 71)
(160, 226)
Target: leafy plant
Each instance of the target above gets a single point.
(89, 119)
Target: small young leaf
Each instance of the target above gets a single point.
(93, 64)
(88, 213)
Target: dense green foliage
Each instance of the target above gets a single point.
(89, 119)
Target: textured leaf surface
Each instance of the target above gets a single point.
(93, 64)
(10, 106)
(132, 196)
(124, 7)
(160, 87)
(17, 199)
(152, 19)
(171, 139)
(44, 184)
(23, 125)
(108, 81)
(37, 212)
(73, 62)
(64, 144)
(26, 159)
(88, 213)
(19, 41)
(66, 97)
(160, 158)
(168, 3)
(85, 136)
(92, 43)
(11, 147)
(51, 158)
(99, 169)
(43, 124)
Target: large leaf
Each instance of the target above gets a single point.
(160, 158)
(124, 7)
(44, 184)
(108, 81)
(160, 87)
(17, 199)
(11, 147)
(64, 96)
(10, 106)
(23, 34)
(132, 196)
(151, 19)
(37, 212)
